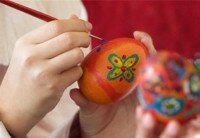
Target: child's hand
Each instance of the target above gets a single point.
(148, 127)
(44, 63)
(114, 120)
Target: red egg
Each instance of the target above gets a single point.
(110, 70)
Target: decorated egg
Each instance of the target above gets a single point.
(169, 87)
(110, 70)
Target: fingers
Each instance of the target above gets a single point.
(55, 28)
(70, 76)
(146, 40)
(63, 43)
(139, 112)
(145, 124)
(172, 130)
(86, 107)
(66, 60)
(78, 98)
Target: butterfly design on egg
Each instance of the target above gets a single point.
(122, 68)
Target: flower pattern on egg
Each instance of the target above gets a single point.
(122, 68)
(171, 106)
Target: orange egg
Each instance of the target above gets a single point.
(110, 70)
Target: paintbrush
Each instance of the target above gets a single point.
(37, 14)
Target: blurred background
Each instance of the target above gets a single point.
(173, 25)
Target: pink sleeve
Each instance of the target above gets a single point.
(68, 130)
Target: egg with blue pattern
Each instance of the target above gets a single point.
(169, 87)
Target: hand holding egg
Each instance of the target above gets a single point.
(110, 70)
(169, 87)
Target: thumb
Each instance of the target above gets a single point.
(86, 106)
(146, 40)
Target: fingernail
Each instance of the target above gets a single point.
(148, 121)
(172, 128)
(135, 32)
(88, 25)
(139, 112)
(73, 16)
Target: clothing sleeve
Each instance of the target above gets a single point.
(3, 132)
(69, 129)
